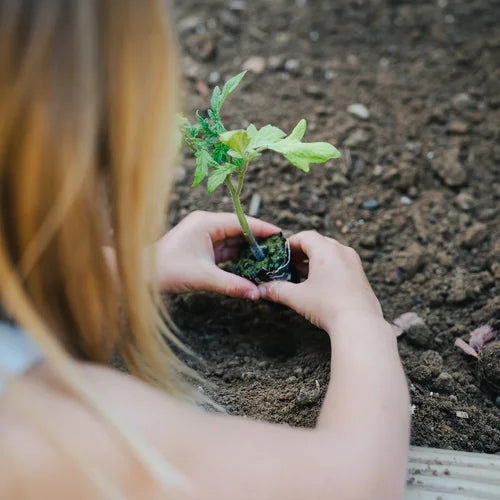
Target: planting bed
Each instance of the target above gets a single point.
(416, 192)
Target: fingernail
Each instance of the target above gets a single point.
(263, 291)
(252, 295)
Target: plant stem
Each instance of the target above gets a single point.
(242, 177)
(254, 246)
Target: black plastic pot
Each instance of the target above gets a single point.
(276, 264)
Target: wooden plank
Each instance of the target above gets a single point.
(435, 474)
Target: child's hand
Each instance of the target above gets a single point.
(187, 256)
(335, 284)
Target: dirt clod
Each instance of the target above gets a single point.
(489, 366)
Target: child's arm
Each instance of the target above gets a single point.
(367, 404)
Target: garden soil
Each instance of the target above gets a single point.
(416, 192)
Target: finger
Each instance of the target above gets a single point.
(231, 285)
(224, 225)
(306, 242)
(282, 292)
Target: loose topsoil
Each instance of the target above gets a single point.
(416, 192)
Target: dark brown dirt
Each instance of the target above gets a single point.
(428, 72)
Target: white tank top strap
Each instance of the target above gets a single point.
(18, 352)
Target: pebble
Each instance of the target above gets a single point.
(214, 77)
(359, 111)
(330, 75)
(449, 168)
(339, 180)
(464, 201)
(314, 91)
(457, 127)
(293, 66)
(405, 200)
(462, 414)
(378, 170)
(475, 234)
(275, 62)
(370, 204)
(463, 101)
(255, 64)
(238, 5)
(357, 138)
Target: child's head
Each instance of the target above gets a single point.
(87, 96)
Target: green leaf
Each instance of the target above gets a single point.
(265, 136)
(229, 87)
(237, 140)
(251, 130)
(203, 162)
(302, 154)
(299, 130)
(219, 176)
(216, 98)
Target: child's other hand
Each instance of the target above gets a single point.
(335, 282)
(187, 256)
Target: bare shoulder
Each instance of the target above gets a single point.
(223, 457)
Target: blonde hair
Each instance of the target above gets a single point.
(87, 96)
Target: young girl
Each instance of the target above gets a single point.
(88, 93)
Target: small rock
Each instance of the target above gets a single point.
(238, 5)
(405, 201)
(370, 204)
(464, 201)
(457, 127)
(444, 383)
(378, 170)
(214, 77)
(357, 138)
(293, 66)
(314, 91)
(359, 111)
(411, 260)
(275, 63)
(181, 174)
(463, 101)
(339, 180)
(368, 240)
(449, 168)
(255, 64)
(462, 414)
(475, 234)
(420, 335)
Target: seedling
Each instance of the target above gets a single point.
(223, 157)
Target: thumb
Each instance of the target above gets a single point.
(282, 292)
(232, 285)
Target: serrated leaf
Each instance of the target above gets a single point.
(203, 162)
(237, 140)
(299, 130)
(265, 136)
(216, 98)
(302, 154)
(219, 152)
(219, 176)
(229, 87)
